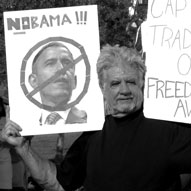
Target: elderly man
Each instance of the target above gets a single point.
(131, 152)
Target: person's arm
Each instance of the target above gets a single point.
(42, 170)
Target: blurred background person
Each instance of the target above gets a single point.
(5, 156)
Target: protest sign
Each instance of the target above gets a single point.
(166, 38)
(33, 39)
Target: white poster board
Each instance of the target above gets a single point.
(26, 32)
(166, 37)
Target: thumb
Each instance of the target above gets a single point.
(7, 113)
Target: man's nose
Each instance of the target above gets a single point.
(124, 88)
(59, 65)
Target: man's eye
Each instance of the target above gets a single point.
(132, 82)
(66, 62)
(50, 63)
(114, 84)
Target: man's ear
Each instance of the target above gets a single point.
(33, 80)
(102, 87)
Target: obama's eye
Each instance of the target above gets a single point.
(50, 62)
(66, 62)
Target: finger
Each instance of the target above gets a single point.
(7, 112)
(12, 124)
(9, 134)
(12, 137)
(12, 132)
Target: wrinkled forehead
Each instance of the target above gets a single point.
(122, 71)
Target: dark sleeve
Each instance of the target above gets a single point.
(2, 108)
(180, 148)
(72, 171)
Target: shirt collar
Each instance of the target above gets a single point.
(45, 113)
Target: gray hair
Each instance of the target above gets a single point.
(111, 56)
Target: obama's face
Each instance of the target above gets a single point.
(51, 60)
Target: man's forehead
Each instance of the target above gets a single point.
(57, 49)
(122, 70)
(51, 52)
(120, 73)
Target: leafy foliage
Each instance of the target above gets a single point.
(113, 18)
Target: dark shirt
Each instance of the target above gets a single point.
(131, 153)
(2, 108)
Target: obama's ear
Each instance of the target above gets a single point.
(33, 80)
(74, 83)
